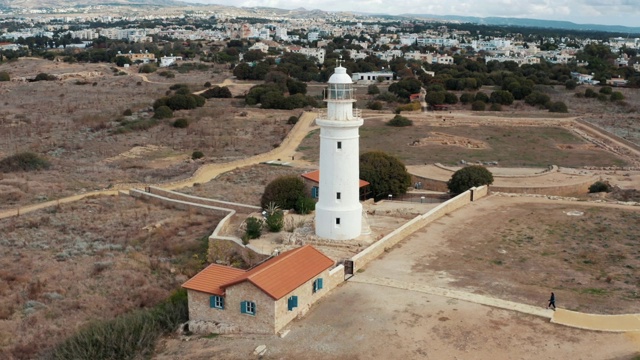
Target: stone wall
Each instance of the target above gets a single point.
(178, 204)
(271, 315)
(306, 297)
(260, 323)
(242, 208)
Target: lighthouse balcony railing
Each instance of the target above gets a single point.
(322, 114)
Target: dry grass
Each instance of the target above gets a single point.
(592, 259)
(93, 259)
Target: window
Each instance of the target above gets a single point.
(337, 221)
(216, 301)
(337, 196)
(292, 303)
(248, 307)
(315, 192)
(317, 285)
(339, 144)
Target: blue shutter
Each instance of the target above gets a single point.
(255, 309)
(314, 192)
(212, 301)
(243, 307)
(292, 302)
(319, 283)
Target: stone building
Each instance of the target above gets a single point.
(265, 298)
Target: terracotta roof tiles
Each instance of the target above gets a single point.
(277, 276)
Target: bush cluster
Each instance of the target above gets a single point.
(25, 161)
(217, 92)
(399, 121)
(253, 230)
(468, 177)
(600, 186)
(130, 336)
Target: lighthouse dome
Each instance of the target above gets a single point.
(340, 76)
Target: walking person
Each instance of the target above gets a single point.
(552, 301)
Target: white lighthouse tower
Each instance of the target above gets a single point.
(338, 211)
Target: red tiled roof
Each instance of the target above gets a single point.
(277, 276)
(211, 279)
(315, 177)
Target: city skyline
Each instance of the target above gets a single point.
(604, 12)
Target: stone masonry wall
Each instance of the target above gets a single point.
(243, 208)
(261, 323)
(306, 298)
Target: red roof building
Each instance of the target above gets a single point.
(262, 299)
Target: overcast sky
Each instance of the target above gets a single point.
(610, 12)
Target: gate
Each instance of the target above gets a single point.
(348, 268)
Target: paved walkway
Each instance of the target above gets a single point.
(612, 323)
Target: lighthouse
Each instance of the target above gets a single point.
(338, 211)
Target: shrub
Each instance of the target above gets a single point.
(167, 74)
(44, 77)
(559, 107)
(181, 123)
(600, 186)
(292, 120)
(480, 96)
(207, 84)
(284, 192)
(127, 112)
(254, 228)
(129, 336)
(412, 106)
(478, 105)
(468, 177)
(450, 98)
(495, 107)
(197, 155)
(217, 92)
(275, 220)
(25, 161)
(373, 90)
(589, 93)
(4, 76)
(537, 98)
(374, 105)
(617, 96)
(147, 69)
(607, 90)
(466, 98)
(305, 205)
(399, 121)
(386, 174)
(163, 112)
(570, 84)
(501, 97)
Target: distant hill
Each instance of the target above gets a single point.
(38, 4)
(553, 24)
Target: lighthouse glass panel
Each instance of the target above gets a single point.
(340, 92)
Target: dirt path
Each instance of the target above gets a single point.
(206, 173)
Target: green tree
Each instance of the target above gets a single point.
(284, 192)
(122, 60)
(386, 174)
(468, 177)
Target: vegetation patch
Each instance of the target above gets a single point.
(25, 161)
